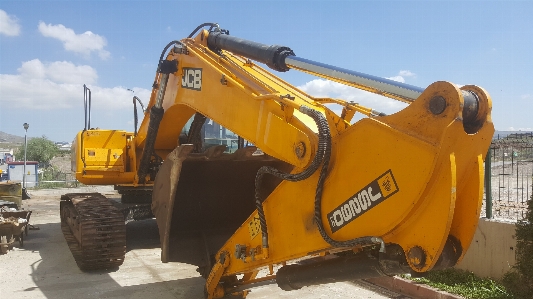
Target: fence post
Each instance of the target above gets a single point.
(488, 186)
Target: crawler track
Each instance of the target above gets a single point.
(94, 230)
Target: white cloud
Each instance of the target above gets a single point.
(8, 24)
(117, 97)
(401, 76)
(525, 96)
(58, 85)
(323, 88)
(519, 129)
(59, 72)
(397, 78)
(83, 44)
(406, 73)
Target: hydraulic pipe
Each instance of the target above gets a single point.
(361, 266)
(273, 56)
(386, 87)
(282, 59)
(156, 115)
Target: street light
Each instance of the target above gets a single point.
(24, 193)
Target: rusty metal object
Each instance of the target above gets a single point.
(12, 192)
(10, 231)
(417, 256)
(437, 105)
(94, 230)
(206, 196)
(164, 192)
(13, 224)
(134, 194)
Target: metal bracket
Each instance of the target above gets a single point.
(240, 252)
(223, 80)
(181, 49)
(288, 111)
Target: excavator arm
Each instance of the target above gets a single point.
(325, 199)
(398, 192)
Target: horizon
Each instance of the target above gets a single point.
(50, 49)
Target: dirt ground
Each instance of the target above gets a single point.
(44, 267)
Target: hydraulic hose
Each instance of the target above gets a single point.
(156, 114)
(135, 117)
(322, 157)
(213, 25)
(164, 68)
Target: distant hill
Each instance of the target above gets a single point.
(8, 138)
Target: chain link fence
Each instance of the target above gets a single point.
(511, 172)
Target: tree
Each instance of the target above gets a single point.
(40, 149)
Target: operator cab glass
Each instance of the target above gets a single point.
(213, 134)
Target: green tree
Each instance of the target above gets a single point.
(40, 149)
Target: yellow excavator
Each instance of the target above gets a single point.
(270, 184)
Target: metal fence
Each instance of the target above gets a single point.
(58, 179)
(510, 161)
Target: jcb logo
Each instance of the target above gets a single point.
(192, 78)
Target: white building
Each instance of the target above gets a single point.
(15, 172)
(5, 155)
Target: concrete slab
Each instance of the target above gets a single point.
(44, 267)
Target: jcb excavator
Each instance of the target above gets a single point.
(273, 184)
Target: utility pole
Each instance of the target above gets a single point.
(24, 192)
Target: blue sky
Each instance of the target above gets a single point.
(49, 49)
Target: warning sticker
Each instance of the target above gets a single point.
(361, 202)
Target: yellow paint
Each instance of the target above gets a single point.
(437, 166)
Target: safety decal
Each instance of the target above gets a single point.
(254, 227)
(370, 196)
(191, 78)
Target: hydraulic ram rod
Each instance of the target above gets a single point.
(386, 87)
(282, 59)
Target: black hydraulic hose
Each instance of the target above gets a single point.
(135, 118)
(164, 68)
(306, 173)
(203, 25)
(194, 136)
(161, 59)
(322, 157)
(156, 114)
(325, 141)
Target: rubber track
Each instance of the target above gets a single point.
(103, 231)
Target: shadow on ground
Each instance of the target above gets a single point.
(142, 275)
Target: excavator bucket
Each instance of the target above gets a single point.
(199, 200)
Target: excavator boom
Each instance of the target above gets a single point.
(317, 198)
